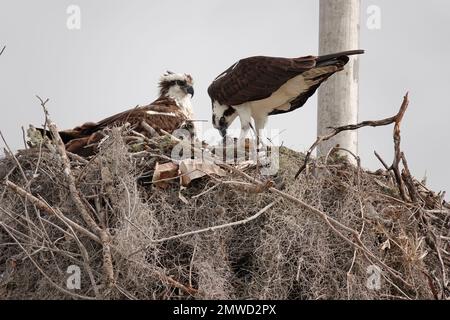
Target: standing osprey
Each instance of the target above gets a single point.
(258, 87)
(171, 111)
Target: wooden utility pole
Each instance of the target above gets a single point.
(338, 97)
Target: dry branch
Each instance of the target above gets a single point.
(375, 123)
(208, 229)
(103, 234)
(41, 205)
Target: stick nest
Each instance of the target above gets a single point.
(294, 249)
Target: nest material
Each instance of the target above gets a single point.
(286, 251)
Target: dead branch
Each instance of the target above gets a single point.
(397, 139)
(14, 157)
(381, 160)
(227, 225)
(103, 234)
(209, 229)
(169, 280)
(3, 49)
(408, 180)
(152, 132)
(432, 239)
(41, 205)
(377, 123)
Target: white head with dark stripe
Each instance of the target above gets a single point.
(222, 117)
(176, 85)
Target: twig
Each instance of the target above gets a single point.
(178, 285)
(14, 157)
(3, 49)
(355, 252)
(103, 234)
(25, 145)
(432, 240)
(357, 158)
(381, 160)
(190, 233)
(152, 132)
(77, 157)
(206, 191)
(191, 265)
(378, 123)
(397, 139)
(41, 205)
(222, 226)
(406, 176)
(42, 271)
(85, 255)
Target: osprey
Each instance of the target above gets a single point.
(258, 87)
(171, 111)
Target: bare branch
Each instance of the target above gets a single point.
(103, 234)
(190, 233)
(41, 205)
(334, 131)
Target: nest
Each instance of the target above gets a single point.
(216, 239)
(101, 228)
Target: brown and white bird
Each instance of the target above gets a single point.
(258, 87)
(171, 111)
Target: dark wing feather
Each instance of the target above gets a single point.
(79, 139)
(138, 114)
(256, 78)
(338, 61)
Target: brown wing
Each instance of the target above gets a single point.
(163, 114)
(166, 115)
(256, 78)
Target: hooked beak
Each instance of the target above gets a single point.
(190, 90)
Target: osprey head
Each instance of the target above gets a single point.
(176, 85)
(222, 117)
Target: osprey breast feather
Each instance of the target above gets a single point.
(260, 86)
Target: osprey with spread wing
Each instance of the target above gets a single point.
(258, 87)
(171, 111)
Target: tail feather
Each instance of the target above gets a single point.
(66, 136)
(339, 55)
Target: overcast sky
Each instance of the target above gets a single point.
(114, 61)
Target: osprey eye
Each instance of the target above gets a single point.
(180, 83)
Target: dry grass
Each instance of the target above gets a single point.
(286, 253)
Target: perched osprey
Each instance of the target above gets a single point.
(171, 111)
(258, 87)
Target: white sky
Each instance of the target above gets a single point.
(115, 60)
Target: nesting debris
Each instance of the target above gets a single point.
(192, 169)
(337, 232)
